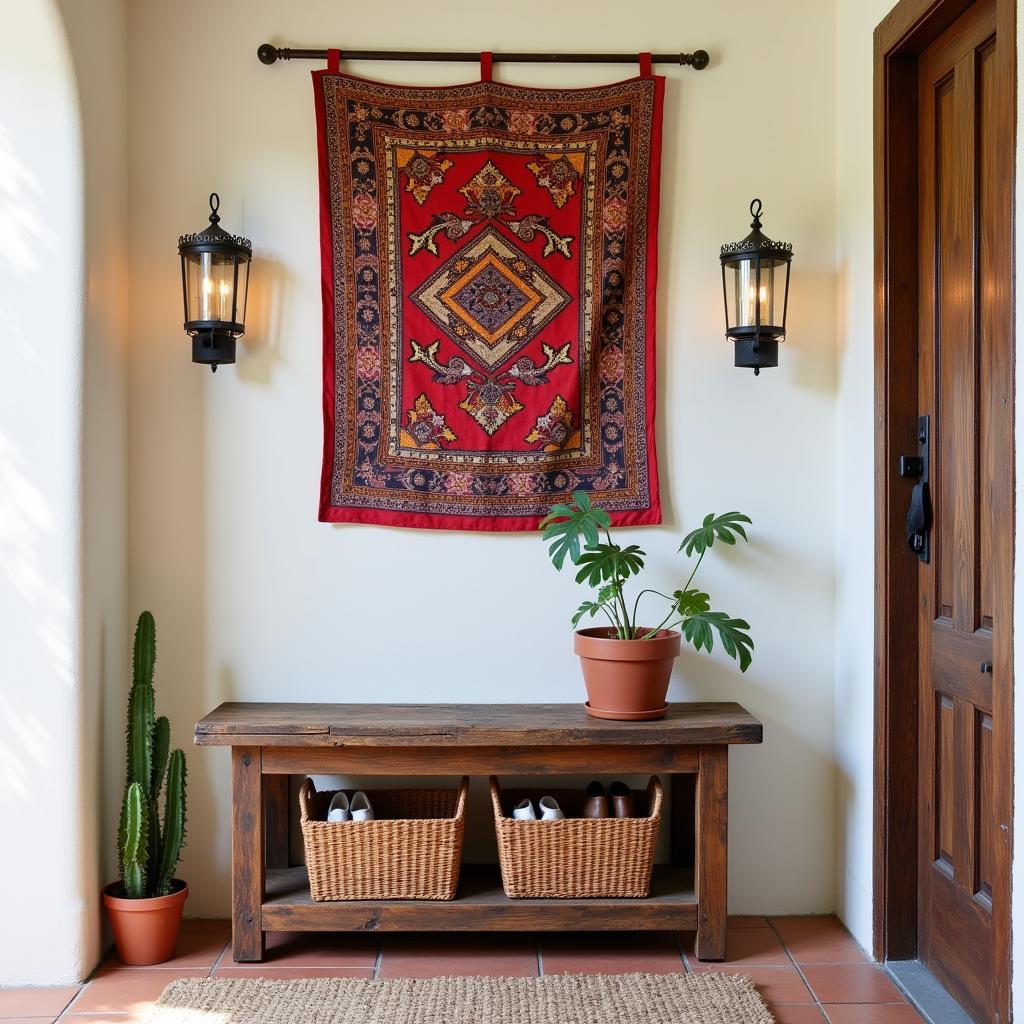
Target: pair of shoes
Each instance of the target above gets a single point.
(616, 803)
(549, 810)
(344, 809)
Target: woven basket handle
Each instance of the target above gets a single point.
(496, 797)
(460, 800)
(306, 793)
(655, 796)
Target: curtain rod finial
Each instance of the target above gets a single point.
(267, 53)
(699, 60)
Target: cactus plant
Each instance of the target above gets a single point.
(147, 852)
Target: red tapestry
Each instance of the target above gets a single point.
(489, 260)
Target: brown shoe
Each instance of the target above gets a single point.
(596, 803)
(621, 797)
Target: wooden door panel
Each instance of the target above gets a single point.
(984, 839)
(956, 663)
(964, 259)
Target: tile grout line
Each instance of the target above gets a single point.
(220, 958)
(682, 953)
(799, 969)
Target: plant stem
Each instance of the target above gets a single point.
(695, 568)
(654, 632)
(626, 632)
(649, 590)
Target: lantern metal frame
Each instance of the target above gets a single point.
(213, 340)
(757, 344)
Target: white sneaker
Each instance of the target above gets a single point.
(339, 808)
(360, 807)
(523, 811)
(549, 809)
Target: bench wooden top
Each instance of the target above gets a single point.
(425, 725)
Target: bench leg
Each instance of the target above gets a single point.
(712, 852)
(247, 854)
(277, 819)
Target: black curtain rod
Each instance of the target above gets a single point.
(698, 60)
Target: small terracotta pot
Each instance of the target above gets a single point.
(626, 679)
(146, 930)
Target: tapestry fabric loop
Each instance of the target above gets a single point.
(645, 65)
(334, 61)
(486, 61)
(489, 266)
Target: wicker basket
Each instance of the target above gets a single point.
(410, 852)
(577, 857)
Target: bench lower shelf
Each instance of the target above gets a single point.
(479, 905)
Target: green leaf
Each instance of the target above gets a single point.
(699, 630)
(590, 608)
(691, 602)
(564, 523)
(725, 528)
(608, 562)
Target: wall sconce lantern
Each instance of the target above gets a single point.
(755, 283)
(214, 284)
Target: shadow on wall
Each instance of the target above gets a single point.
(810, 345)
(263, 342)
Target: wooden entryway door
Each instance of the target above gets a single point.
(964, 220)
(951, 479)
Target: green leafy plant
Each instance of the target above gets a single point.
(580, 532)
(147, 852)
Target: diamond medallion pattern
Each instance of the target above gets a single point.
(491, 299)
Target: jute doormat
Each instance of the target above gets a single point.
(709, 998)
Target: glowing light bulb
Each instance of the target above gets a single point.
(205, 294)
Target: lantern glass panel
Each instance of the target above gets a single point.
(210, 287)
(755, 292)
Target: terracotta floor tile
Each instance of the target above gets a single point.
(200, 944)
(35, 1002)
(776, 984)
(129, 989)
(789, 1013)
(610, 953)
(293, 949)
(432, 956)
(745, 947)
(877, 1013)
(285, 973)
(851, 983)
(818, 940)
(748, 922)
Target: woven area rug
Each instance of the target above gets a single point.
(709, 998)
(489, 263)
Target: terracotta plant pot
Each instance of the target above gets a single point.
(146, 930)
(626, 679)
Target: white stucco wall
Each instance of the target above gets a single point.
(62, 472)
(43, 750)
(254, 599)
(854, 461)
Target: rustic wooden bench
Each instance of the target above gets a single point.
(270, 742)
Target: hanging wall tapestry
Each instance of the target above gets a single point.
(489, 259)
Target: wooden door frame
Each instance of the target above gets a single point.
(908, 29)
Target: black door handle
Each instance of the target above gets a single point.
(919, 515)
(918, 520)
